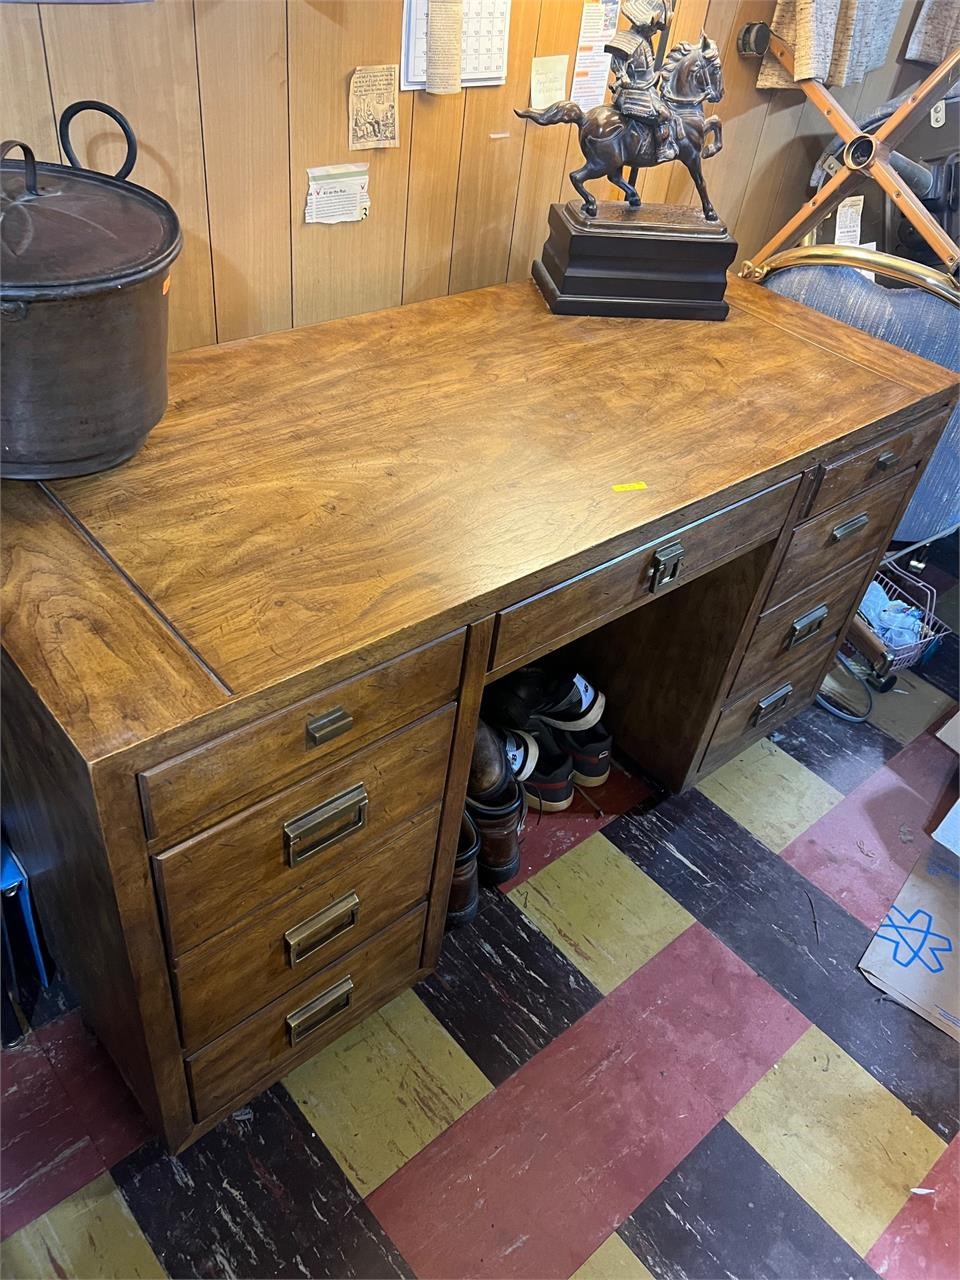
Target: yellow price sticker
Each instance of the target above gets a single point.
(626, 488)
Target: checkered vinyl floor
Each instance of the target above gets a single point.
(651, 1055)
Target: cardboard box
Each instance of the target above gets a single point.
(914, 955)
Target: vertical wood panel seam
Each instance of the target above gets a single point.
(46, 65)
(456, 199)
(527, 124)
(406, 211)
(286, 39)
(206, 182)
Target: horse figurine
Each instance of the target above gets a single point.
(691, 75)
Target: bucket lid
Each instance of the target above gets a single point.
(71, 231)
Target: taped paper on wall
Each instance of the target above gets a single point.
(374, 96)
(338, 193)
(548, 80)
(484, 39)
(444, 46)
(591, 71)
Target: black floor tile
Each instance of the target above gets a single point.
(943, 668)
(842, 754)
(504, 991)
(799, 940)
(724, 1212)
(259, 1196)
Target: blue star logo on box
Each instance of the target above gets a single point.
(914, 940)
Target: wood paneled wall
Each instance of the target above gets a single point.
(232, 100)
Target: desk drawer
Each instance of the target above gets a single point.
(766, 707)
(303, 835)
(306, 1018)
(222, 776)
(839, 537)
(800, 624)
(534, 626)
(855, 472)
(259, 958)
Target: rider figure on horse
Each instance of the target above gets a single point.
(636, 79)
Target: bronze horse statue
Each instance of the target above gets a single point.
(610, 143)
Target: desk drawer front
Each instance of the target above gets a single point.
(856, 472)
(304, 835)
(766, 706)
(240, 970)
(534, 626)
(839, 537)
(218, 778)
(800, 624)
(306, 1018)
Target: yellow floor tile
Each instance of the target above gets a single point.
(850, 1148)
(385, 1089)
(612, 1261)
(774, 796)
(602, 912)
(91, 1235)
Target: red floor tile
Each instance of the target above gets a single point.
(45, 1152)
(106, 1108)
(537, 1175)
(922, 1242)
(862, 851)
(547, 835)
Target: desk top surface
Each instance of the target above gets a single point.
(314, 492)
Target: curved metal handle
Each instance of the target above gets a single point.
(89, 104)
(29, 164)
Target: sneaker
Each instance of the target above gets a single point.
(590, 752)
(549, 783)
(534, 695)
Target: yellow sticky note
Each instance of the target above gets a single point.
(626, 488)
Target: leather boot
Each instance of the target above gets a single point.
(499, 824)
(464, 891)
(489, 768)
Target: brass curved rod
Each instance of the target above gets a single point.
(843, 255)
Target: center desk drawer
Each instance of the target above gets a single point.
(838, 537)
(306, 1018)
(246, 966)
(302, 835)
(222, 776)
(560, 614)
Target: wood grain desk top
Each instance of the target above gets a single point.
(366, 484)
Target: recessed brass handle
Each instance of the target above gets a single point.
(768, 707)
(807, 625)
(887, 460)
(307, 834)
(316, 1012)
(850, 526)
(328, 726)
(309, 936)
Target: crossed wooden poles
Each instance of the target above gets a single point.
(865, 155)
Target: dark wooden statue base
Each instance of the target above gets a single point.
(661, 261)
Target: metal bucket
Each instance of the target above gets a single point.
(84, 276)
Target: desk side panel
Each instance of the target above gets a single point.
(51, 815)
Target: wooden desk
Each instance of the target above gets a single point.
(243, 672)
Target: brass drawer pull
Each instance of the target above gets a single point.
(887, 460)
(320, 1010)
(306, 938)
(665, 566)
(768, 707)
(807, 625)
(328, 726)
(850, 526)
(310, 832)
